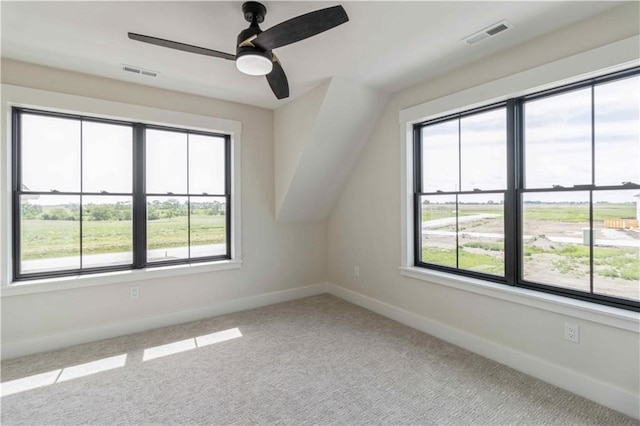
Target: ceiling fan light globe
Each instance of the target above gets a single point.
(253, 64)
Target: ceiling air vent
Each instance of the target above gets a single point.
(140, 71)
(487, 32)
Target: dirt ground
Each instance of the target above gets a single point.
(544, 267)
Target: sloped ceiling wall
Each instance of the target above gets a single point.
(318, 138)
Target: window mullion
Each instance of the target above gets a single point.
(417, 188)
(81, 188)
(139, 198)
(458, 189)
(511, 229)
(593, 183)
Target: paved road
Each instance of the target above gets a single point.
(429, 225)
(565, 240)
(440, 223)
(110, 259)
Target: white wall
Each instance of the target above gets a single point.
(319, 137)
(293, 123)
(364, 230)
(276, 257)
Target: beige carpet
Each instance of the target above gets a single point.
(318, 360)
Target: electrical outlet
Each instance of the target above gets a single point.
(572, 332)
(134, 292)
(356, 272)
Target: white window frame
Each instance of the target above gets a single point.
(613, 57)
(60, 102)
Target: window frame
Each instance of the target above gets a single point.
(513, 207)
(56, 102)
(138, 194)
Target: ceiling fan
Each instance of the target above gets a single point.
(254, 49)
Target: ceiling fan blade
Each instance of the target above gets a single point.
(301, 27)
(278, 80)
(181, 46)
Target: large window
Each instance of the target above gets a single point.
(93, 195)
(541, 191)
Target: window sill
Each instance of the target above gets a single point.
(79, 281)
(600, 314)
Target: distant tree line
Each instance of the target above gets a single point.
(120, 211)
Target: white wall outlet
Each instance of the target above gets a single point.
(134, 292)
(572, 332)
(356, 272)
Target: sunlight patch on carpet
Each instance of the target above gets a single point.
(62, 375)
(189, 344)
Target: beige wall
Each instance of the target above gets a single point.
(275, 256)
(364, 228)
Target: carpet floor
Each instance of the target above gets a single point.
(318, 360)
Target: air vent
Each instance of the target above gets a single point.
(140, 71)
(487, 32)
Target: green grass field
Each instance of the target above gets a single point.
(468, 260)
(571, 213)
(440, 211)
(609, 262)
(58, 238)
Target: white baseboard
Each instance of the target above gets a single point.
(601, 392)
(21, 347)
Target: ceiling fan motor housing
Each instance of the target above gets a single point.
(254, 11)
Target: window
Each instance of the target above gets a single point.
(541, 191)
(93, 195)
(460, 195)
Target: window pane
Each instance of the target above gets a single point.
(166, 164)
(208, 226)
(481, 233)
(483, 156)
(557, 133)
(50, 153)
(206, 164)
(49, 233)
(617, 132)
(107, 231)
(440, 157)
(167, 228)
(556, 239)
(438, 230)
(106, 157)
(616, 253)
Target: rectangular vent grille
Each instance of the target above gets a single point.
(140, 71)
(497, 29)
(488, 32)
(130, 69)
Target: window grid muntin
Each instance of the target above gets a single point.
(138, 195)
(513, 209)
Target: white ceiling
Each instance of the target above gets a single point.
(385, 45)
